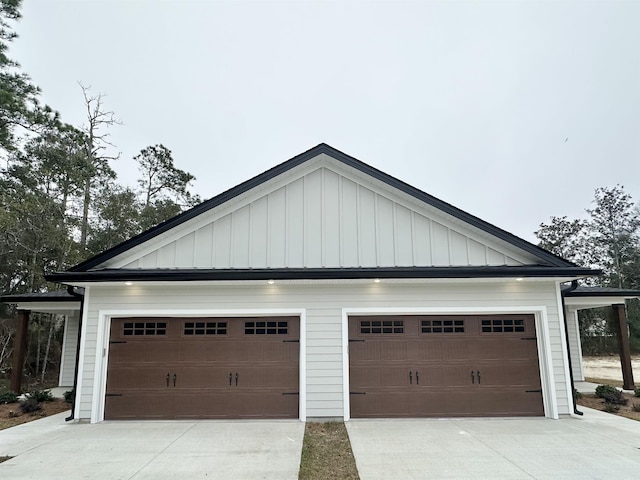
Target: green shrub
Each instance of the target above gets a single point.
(8, 397)
(615, 398)
(41, 395)
(30, 405)
(611, 408)
(576, 394)
(637, 392)
(601, 390)
(68, 396)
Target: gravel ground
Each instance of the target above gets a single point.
(609, 367)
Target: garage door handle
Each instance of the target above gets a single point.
(230, 378)
(174, 379)
(478, 377)
(168, 376)
(410, 378)
(417, 378)
(236, 379)
(473, 378)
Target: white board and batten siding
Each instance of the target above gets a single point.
(323, 304)
(321, 215)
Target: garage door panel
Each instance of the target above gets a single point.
(150, 351)
(149, 405)
(454, 366)
(371, 376)
(217, 367)
(131, 377)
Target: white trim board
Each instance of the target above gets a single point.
(104, 330)
(542, 334)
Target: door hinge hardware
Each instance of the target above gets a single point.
(528, 338)
(356, 340)
(113, 395)
(533, 391)
(357, 393)
(290, 341)
(117, 341)
(291, 393)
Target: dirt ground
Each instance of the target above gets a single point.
(609, 367)
(11, 415)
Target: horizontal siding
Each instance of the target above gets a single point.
(324, 219)
(323, 304)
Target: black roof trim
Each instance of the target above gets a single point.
(585, 291)
(56, 296)
(542, 254)
(317, 273)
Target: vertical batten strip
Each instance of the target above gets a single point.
(323, 243)
(466, 241)
(412, 216)
(431, 252)
(286, 226)
(376, 223)
(394, 233)
(340, 222)
(250, 233)
(268, 232)
(358, 228)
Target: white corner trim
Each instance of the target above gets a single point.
(565, 353)
(545, 363)
(104, 329)
(346, 414)
(83, 341)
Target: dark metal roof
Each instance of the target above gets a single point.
(585, 291)
(545, 257)
(56, 296)
(318, 273)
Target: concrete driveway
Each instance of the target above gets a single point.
(51, 449)
(596, 446)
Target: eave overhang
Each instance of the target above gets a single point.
(185, 275)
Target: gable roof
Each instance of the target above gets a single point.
(545, 259)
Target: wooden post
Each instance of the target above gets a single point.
(19, 350)
(623, 346)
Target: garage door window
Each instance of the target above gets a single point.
(381, 326)
(205, 328)
(144, 328)
(266, 328)
(502, 326)
(442, 326)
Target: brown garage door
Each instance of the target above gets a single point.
(423, 366)
(170, 368)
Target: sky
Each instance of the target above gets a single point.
(512, 111)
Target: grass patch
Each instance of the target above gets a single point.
(326, 453)
(604, 381)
